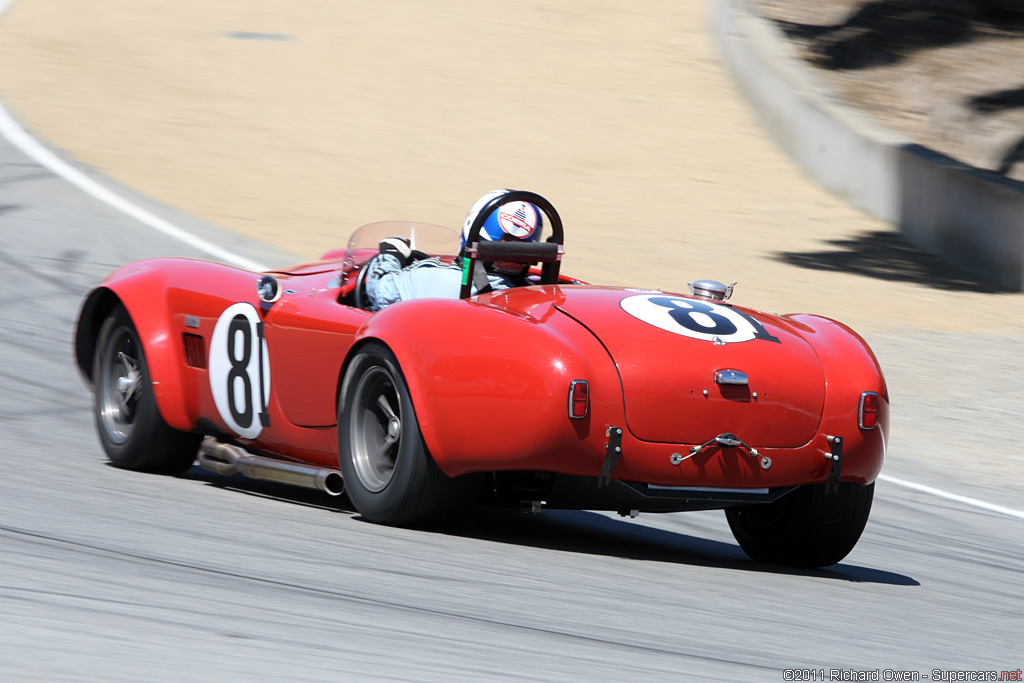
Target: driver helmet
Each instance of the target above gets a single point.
(512, 221)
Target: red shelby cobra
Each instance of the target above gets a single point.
(560, 394)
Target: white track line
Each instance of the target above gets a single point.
(18, 137)
(33, 148)
(10, 129)
(952, 496)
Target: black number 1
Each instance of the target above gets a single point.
(264, 415)
(759, 330)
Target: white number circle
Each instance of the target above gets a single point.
(692, 318)
(240, 370)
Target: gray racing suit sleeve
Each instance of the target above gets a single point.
(387, 282)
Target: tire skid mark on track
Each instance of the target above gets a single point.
(51, 541)
(293, 644)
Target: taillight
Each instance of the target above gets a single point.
(579, 399)
(867, 414)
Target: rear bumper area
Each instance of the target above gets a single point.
(586, 493)
(536, 490)
(737, 467)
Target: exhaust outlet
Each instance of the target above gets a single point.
(228, 460)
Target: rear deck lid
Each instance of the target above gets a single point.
(692, 369)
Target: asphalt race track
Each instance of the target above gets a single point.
(112, 575)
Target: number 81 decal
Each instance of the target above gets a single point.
(697, 319)
(240, 370)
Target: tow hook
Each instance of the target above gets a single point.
(727, 439)
(835, 444)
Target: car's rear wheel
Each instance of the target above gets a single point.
(133, 434)
(389, 475)
(806, 528)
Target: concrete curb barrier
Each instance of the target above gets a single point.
(971, 217)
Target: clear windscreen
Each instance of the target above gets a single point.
(435, 240)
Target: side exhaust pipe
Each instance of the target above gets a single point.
(228, 460)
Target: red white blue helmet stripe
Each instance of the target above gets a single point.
(520, 220)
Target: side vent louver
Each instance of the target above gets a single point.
(195, 351)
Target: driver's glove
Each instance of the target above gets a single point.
(399, 247)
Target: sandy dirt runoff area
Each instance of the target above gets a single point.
(295, 123)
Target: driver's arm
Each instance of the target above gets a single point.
(381, 288)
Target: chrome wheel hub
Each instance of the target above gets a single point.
(119, 386)
(375, 429)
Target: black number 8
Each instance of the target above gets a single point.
(721, 326)
(240, 369)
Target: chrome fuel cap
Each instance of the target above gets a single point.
(710, 289)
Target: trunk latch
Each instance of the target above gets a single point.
(730, 377)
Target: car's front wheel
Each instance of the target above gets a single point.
(805, 528)
(389, 474)
(133, 434)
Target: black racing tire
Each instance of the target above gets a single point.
(131, 430)
(804, 528)
(389, 475)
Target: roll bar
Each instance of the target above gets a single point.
(548, 252)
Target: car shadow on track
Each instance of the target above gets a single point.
(573, 531)
(596, 534)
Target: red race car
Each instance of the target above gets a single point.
(558, 394)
